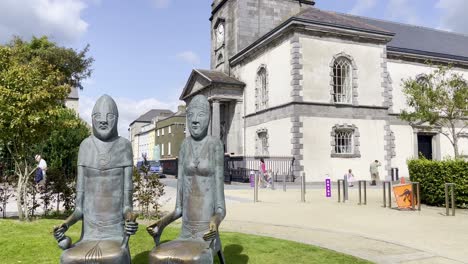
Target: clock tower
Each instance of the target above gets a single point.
(235, 24)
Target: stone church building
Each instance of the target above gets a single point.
(289, 79)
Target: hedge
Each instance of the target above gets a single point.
(432, 176)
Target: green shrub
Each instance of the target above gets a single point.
(432, 176)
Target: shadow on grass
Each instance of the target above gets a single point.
(233, 254)
(141, 258)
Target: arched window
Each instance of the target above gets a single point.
(342, 80)
(261, 89)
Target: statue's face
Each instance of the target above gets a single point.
(105, 117)
(198, 119)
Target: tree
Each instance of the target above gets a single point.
(61, 152)
(147, 189)
(34, 84)
(441, 99)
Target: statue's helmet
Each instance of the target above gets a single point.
(105, 118)
(198, 115)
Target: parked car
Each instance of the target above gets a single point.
(155, 167)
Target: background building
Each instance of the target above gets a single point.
(142, 137)
(289, 79)
(170, 132)
(72, 100)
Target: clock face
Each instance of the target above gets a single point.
(220, 34)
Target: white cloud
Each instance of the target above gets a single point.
(401, 10)
(362, 6)
(129, 109)
(189, 56)
(161, 3)
(453, 15)
(58, 19)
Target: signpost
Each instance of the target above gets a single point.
(328, 187)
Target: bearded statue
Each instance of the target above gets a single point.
(103, 194)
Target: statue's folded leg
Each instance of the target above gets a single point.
(102, 252)
(182, 251)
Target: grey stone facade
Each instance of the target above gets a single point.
(297, 142)
(389, 147)
(296, 69)
(248, 20)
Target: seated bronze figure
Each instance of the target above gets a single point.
(103, 194)
(200, 195)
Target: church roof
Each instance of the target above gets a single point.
(207, 78)
(400, 38)
(219, 77)
(328, 18)
(407, 38)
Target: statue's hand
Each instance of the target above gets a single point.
(131, 227)
(153, 229)
(59, 231)
(211, 234)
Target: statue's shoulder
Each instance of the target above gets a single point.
(125, 142)
(86, 143)
(214, 141)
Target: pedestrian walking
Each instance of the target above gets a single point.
(374, 171)
(41, 176)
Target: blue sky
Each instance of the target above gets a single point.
(144, 50)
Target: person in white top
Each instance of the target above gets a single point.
(42, 164)
(350, 178)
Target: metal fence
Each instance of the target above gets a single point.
(238, 168)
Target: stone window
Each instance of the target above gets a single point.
(261, 89)
(157, 132)
(342, 76)
(345, 141)
(343, 80)
(169, 151)
(170, 130)
(162, 131)
(261, 143)
(162, 149)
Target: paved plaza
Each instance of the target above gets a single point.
(371, 232)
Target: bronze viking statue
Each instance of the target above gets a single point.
(200, 195)
(103, 194)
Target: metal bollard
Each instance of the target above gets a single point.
(385, 184)
(452, 194)
(416, 196)
(362, 183)
(273, 179)
(303, 188)
(284, 183)
(339, 182)
(256, 188)
(345, 188)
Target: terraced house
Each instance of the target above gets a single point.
(287, 78)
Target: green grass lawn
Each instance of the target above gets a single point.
(33, 242)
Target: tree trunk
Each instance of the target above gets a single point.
(19, 197)
(25, 199)
(455, 142)
(58, 202)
